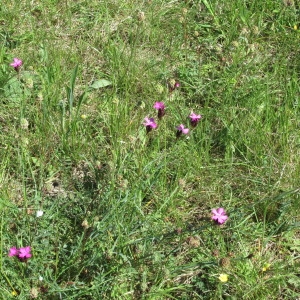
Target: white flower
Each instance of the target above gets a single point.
(39, 213)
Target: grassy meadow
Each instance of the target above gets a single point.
(112, 208)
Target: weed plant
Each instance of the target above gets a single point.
(98, 202)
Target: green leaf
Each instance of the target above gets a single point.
(100, 84)
(13, 89)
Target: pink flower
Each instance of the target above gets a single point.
(181, 130)
(160, 106)
(24, 252)
(13, 251)
(17, 64)
(219, 215)
(150, 124)
(194, 119)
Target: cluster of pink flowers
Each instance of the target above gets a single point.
(22, 253)
(150, 123)
(219, 214)
(194, 120)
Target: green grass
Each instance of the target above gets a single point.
(127, 215)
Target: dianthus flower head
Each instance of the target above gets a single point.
(150, 124)
(25, 252)
(16, 64)
(160, 107)
(13, 251)
(194, 119)
(181, 130)
(219, 215)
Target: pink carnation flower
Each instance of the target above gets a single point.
(194, 119)
(219, 215)
(160, 106)
(149, 124)
(181, 130)
(17, 64)
(13, 251)
(25, 252)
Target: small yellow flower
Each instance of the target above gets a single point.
(223, 277)
(266, 267)
(83, 117)
(295, 27)
(14, 293)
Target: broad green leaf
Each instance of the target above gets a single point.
(100, 84)
(13, 89)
